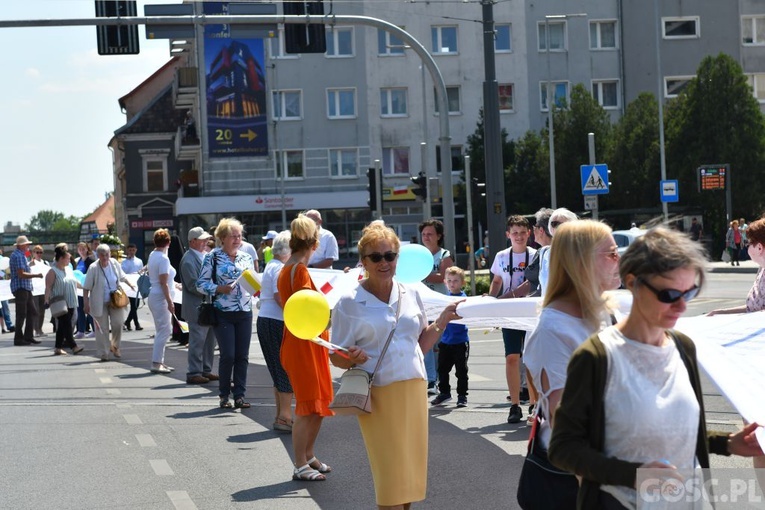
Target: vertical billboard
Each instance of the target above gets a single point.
(235, 91)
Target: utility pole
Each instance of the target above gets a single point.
(492, 139)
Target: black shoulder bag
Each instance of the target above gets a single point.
(206, 310)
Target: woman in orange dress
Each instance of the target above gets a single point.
(306, 363)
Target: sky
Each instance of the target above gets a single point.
(59, 108)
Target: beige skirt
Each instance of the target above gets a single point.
(396, 438)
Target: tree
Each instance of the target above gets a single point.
(572, 124)
(634, 156)
(716, 119)
(530, 174)
(69, 224)
(43, 221)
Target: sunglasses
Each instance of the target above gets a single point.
(39, 252)
(613, 254)
(670, 296)
(389, 256)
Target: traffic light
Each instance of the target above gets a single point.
(421, 186)
(117, 39)
(304, 38)
(375, 198)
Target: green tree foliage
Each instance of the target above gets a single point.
(572, 123)
(529, 176)
(43, 221)
(717, 120)
(69, 224)
(634, 156)
(475, 149)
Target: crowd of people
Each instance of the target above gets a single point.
(590, 371)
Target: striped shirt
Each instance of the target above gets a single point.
(65, 284)
(19, 261)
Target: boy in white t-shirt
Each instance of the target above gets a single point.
(508, 270)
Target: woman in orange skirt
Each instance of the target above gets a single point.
(306, 363)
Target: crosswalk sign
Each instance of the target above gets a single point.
(594, 179)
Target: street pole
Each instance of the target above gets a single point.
(591, 148)
(492, 138)
(429, 172)
(469, 204)
(660, 97)
(550, 129)
(426, 207)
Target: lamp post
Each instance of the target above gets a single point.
(551, 101)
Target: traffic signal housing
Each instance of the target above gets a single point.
(375, 194)
(304, 38)
(421, 186)
(117, 39)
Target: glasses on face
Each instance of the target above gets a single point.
(670, 296)
(389, 256)
(39, 252)
(555, 224)
(613, 254)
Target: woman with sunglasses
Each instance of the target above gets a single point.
(396, 432)
(306, 363)
(633, 395)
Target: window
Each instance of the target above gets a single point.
(503, 38)
(389, 44)
(343, 163)
(393, 102)
(292, 161)
(457, 160)
(276, 45)
(757, 82)
(681, 28)
(606, 93)
(340, 42)
(444, 40)
(453, 96)
(753, 30)
(602, 35)
(395, 160)
(341, 103)
(559, 90)
(557, 35)
(287, 104)
(674, 85)
(506, 97)
(155, 171)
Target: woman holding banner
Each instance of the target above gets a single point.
(396, 432)
(633, 397)
(219, 278)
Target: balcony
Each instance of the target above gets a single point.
(185, 87)
(187, 146)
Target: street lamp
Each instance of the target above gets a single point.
(550, 102)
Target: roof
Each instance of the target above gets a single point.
(103, 215)
(146, 82)
(159, 116)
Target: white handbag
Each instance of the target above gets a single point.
(58, 306)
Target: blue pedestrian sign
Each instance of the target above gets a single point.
(669, 191)
(594, 179)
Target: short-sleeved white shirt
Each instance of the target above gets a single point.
(360, 319)
(510, 267)
(549, 348)
(159, 264)
(544, 269)
(327, 247)
(269, 308)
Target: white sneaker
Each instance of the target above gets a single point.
(79, 335)
(90, 335)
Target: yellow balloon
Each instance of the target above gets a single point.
(306, 314)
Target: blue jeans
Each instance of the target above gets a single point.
(7, 315)
(84, 322)
(430, 365)
(234, 332)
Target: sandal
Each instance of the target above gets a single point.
(323, 468)
(283, 425)
(307, 474)
(239, 403)
(225, 403)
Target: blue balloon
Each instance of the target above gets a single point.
(80, 276)
(415, 262)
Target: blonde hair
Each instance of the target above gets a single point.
(574, 268)
(455, 270)
(374, 233)
(304, 233)
(226, 226)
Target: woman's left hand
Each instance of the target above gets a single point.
(357, 355)
(744, 442)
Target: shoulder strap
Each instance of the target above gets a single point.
(292, 274)
(390, 336)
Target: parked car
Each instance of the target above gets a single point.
(624, 238)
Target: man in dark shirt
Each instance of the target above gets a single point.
(21, 287)
(696, 231)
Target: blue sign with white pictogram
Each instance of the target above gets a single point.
(669, 191)
(594, 179)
